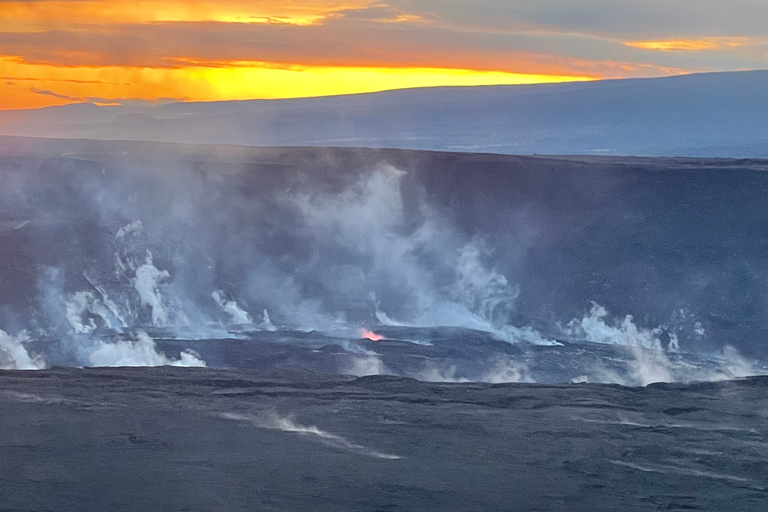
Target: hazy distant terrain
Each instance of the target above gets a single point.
(718, 114)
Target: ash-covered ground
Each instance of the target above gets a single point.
(200, 439)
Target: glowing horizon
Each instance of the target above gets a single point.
(58, 85)
(55, 52)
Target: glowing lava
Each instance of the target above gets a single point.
(370, 335)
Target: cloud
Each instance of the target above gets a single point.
(544, 37)
(134, 102)
(339, 42)
(611, 18)
(32, 15)
(696, 45)
(564, 38)
(66, 80)
(54, 94)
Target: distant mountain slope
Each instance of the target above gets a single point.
(716, 114)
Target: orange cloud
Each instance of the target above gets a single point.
(695, 45)
(58, 51)
(21, 16)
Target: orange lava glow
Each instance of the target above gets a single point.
(370, 335)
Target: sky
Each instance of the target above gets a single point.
(54, 52)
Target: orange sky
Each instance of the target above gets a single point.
(113, 51)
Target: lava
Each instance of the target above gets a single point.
(370, 335)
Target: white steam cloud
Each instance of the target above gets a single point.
(274, 421)
(14, 355)
(594, 328)
(146, 284)
(75, 308)
(372, 246)
(443, 280)
(140, 352)
(363, 366)
(230, 307)
(648, 366)
(650, 358)
(498, 370)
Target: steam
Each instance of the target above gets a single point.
(505, 369)
(363, 366)
(14, 355)
(140, 352)
(75, 308)
(230, 307)
(594, 328)
(424, 270)
(132, 228)
(434, 372)
(481, 290)
(666, 337)
(266, 323)
(498, 370)
(333, 255)
(84, 310)
(146, 284)
(284, 424)
(735, 366)
(648, 366)
(653, 354)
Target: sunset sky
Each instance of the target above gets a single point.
(116, 52)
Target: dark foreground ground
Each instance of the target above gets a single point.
(197, 439)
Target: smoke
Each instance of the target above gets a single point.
(230, 307)
(194, 252)
(273, 421)
(161, 245)
(363, 366)
(625, 332)
(266, 323)
(52, 303)
(498, 370)
(146, 284)
(735, 366)
(408, 257)
(75, 308)
(86, 313)
(436, 372)
(653, 355)
(132, 228)
(505, 369)
(140, 352)
(481, 290)
(14, 355)
(593, 327)
(647, 366)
